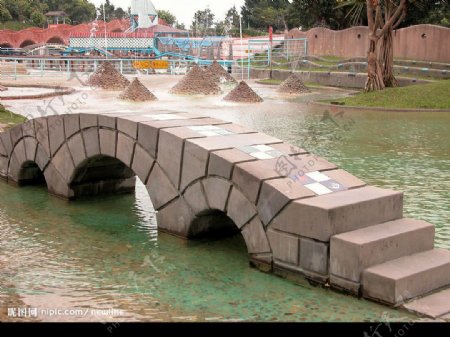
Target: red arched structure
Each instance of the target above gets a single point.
(27, 43)
(56, 39)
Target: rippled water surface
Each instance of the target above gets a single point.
(106, 252)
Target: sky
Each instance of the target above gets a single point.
(184, 9)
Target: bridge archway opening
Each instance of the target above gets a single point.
(56, 40)
(101, 175)
(31, 174)
(5, 45)
(212, 224)
(27, 43)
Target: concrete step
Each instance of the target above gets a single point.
(324, 216)
(352, 252)
(407, 277)
(433, 306)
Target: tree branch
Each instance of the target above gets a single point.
(401, 7)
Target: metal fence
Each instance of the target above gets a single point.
(17, 67)
(277, 54)
(260, 54)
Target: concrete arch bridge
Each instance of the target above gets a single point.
(298, 213)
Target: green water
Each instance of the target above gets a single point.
(106, 253)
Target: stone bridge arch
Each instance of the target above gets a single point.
(298, 213)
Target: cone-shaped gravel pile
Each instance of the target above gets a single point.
(137, 92)
(293, 85)
(220, 75)
(196, 82)
(243, 93)
(108, 78)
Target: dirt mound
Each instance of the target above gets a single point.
(243, 93)
(219, 74)
(293, 85)
(196, 82)
(107, 77)
(2, 88)
(137, 92)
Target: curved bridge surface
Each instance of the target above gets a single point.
(298, 213)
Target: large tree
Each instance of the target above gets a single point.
(202, 23)
(232, 18)
(167, 16)
(261, 14)
(382, 16)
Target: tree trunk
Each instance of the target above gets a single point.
(387, 59)
(374, 73)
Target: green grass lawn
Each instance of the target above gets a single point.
(434, 95)
(272, 81)
(8, 118)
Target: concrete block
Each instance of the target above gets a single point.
(55, 132)
(407, 277)
(56, 184)
(76, 147)
(3, 151)
(175, 218)
(28, 128)
(238, 129)
(40, 126)
(195, 161)
(125, 148)
(62, 162)
(249, 176)
(217, 191)
(127, 126)
(276, 194)
(30, 148)
(221, 143)
(285, 247)
(4, 166)
(71, 124)
(148, 138)
(434, 305)
(240, 209)
(314, 256)
(305, 163)
(14, 168)
(19, 152)
(91, 142)
(255, 237)
(7, 144)
(88, 120)
(108, 142)
(354, 251)
(324, 216)
(345, 178)
(16, 134)
(105, 121)
(344, 285)
(142, 163)
(195, 197)
(289, 149)
(221, 163)
(170, 151)
(42, 158)
(160, 188)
